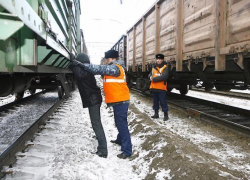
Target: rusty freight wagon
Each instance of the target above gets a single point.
(204, 41)
(37, 38)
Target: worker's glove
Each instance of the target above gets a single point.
(71, 56)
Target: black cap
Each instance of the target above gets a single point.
(111, 54)
(83, 58)
(159, 56)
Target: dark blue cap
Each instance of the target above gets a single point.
(159, 56)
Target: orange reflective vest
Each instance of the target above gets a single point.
(115, 88)
(162, 85)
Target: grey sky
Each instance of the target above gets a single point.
(104, 21)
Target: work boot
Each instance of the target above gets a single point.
(115, 142)
(156, 115)
(98, 153)
(165, 116)
(122, 156)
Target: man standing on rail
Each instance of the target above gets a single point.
(158, 86)
(116, 95)
(91, 98)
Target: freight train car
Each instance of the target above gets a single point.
(204, 41)
(37, 38)
(121, 47)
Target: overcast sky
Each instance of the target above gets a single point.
(105, 21)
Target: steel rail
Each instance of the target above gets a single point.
(23, 100)
(233, 118)
(7, 158)
(223, 93)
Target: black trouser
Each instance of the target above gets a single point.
(160, 96)
(94, 113)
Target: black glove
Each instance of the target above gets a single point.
(74, 62)
(71, 56)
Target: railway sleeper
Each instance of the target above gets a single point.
(204, 108)
(42, 127)
(7, 170)
(238, 119)
(213, 112)
(20, 154)
(245, 123)
(196, 106)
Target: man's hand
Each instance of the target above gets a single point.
(72, 56)
(74, 62)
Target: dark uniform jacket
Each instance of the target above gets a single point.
(89, 91)
(163, 77)
(111, 69)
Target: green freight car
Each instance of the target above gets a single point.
(37, 38)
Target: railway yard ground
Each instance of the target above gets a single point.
(180, 148)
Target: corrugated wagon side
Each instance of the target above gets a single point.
(205, 42)
(121, 47)
(37, 38)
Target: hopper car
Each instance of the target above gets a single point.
(206, 43)
(37, 40)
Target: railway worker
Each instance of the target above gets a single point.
(158, 86)
(91, 98)
(116, 95)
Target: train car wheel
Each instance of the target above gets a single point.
(208, 88)
(169, 89)
(19, 95)
(130, 83)
(220, 87)
(32, 91)
(60, 91)
(73, 85)
(183, 90)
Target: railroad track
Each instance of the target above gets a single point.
(10, 106)
(224, 93)
(8, 156)
(233, 118)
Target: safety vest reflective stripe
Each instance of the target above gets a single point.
(161, 70)
(115, 80)
(162, 85)
(115, 88)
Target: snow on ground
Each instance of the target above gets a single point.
(17, 120)
(68, 142)
(244, 104)
(6, 100)
(10, 98)
(229, 155)
(63, 150)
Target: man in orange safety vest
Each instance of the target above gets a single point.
(158, 86)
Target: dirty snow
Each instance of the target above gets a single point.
(63, 149)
